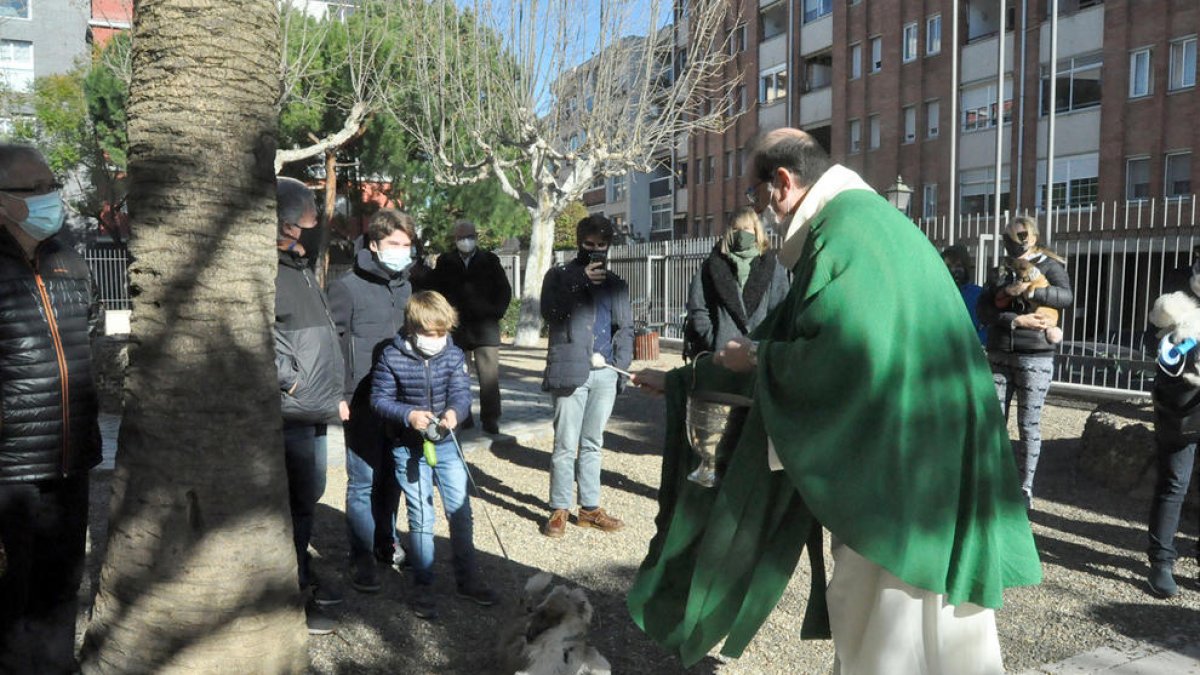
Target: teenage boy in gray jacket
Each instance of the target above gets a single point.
(587, 310)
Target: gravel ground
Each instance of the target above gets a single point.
(1091, 541)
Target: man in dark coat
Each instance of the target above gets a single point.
(476, 285)
(310, 381)
(49, 436)
(368, 304)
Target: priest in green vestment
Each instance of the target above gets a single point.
(874, 417)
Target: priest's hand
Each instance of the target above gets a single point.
(653, 381)
(739, 355)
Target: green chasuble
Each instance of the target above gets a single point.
(879, 401)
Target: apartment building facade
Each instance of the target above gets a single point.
(38, 38)
(873, 81)
(109, 17)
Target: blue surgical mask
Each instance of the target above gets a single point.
(45, 217)
(395, 259)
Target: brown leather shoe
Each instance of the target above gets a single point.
(557, 525)
(599, 519)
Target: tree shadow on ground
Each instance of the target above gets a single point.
(1174, 627)
(379, 633)
(533, 458)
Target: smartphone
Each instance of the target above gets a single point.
(599, 257)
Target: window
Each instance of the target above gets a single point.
(660, 217)
(739, 99)
(818, 71)
(912, 41)
(729, 164)
(855, 61)
(1075, 181)
(1139, 73)
(14, 9)
(616, 188)
(1078, 84)
(772, 84)
(929, 200)
(740, 162)
(1183, 64)
(710, 169)
(933, 113)
(873, 128)
(1177, 182)
(876, 54)
(708, 226)
(772, 21)
(660, 179)
(910, 124)
(699, 172)
(16, 64)
(933, 35)
(737, 39)
(815, 9)
(681, 174)
(855, 136)
(979, 106)
(976, 191)
(1137, 178)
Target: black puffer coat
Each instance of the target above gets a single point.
(1002, 336)
(48, 403)
(307, 355)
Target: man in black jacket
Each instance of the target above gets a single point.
(49, 436)
(590, 320)
(368, 304)
(475, 284)
(310, 381)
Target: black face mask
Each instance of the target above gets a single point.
(310, 239)
(1014, 248)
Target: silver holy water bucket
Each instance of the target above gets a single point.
(708, 418)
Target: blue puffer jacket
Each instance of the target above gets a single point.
(403, 381)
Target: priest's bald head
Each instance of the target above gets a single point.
(786, 163)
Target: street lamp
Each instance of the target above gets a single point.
(899, 195)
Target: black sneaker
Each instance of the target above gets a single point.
(491, 428)
(364, 576)
(324, 593)
(477, 593)
(319, 623)
(394, 556)
(423, 603)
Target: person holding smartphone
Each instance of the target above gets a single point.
(587, 310)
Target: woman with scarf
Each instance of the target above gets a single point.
(739, 283)
(1021, 357)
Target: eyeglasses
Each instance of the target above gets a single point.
(752, 192)
(34, 190)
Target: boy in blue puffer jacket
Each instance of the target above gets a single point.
(421, 380)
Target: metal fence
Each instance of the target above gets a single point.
(109, 264)
(1118, 257)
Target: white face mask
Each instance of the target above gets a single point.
(429, 346)
(466, 246)
(395, 259)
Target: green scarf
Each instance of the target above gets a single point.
(741, 264)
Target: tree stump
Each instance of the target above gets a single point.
(110, 356)
(1118, 448)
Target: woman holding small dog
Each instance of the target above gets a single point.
(1019, 346)
(736, 286)
(420, 387)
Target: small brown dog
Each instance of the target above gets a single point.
(1023, 271)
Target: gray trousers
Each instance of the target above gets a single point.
(1028, 377)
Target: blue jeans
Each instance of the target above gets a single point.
(416, 479)
(43, 527)
(1175, 464)
(372, 495)
(305, 454)
(1028, 377)
(579, 420)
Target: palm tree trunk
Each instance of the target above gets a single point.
(200, 573)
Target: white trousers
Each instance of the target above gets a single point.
(883, 626)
